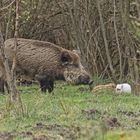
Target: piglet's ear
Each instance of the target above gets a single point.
(65, 57)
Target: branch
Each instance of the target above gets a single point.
(6, 7)
(105, 41)
(117, 41)
(15, 36)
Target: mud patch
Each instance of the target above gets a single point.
(83, 89)
(39, 125)
(138, 122)
(64, 131)
(129, 113)
(26, 134)
(44, 137)
(7, 135)
(112, 123)
(91, 114)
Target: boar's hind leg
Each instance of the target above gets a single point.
(43, 85)
(1, 85)
(46, 85)
(50, 86)
(6, 85)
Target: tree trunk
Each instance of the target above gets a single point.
(10, 74)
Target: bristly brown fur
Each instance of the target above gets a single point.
(37, 59)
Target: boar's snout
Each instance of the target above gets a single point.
(90, 82)
(84, 80)
(77, 76)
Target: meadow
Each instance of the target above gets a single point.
(71, 113)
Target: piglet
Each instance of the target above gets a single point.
(123, 88)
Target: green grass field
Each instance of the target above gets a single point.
(71, 113)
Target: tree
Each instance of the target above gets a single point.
(102, 30)
(10, 74)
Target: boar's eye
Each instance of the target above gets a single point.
(76, 65)
(70, 64)
(73, 65)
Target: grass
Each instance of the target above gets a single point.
(72, 112)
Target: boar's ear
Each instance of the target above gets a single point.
(65, 57)
(77, 52)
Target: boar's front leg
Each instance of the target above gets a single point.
(43, 85)
(46, 83)
(50, 86)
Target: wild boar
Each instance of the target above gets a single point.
(45, 62)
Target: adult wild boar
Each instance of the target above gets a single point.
(45, 62)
